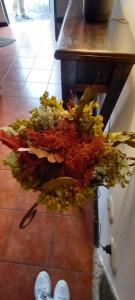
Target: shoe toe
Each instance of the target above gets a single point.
(42, 282)
(61, 291)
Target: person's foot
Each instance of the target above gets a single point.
(61, 291)
(17, 17)
(42, 289)
(24, 16)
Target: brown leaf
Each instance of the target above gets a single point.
(58, 158)
(51, 158)
(40, 153)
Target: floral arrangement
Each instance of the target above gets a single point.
(64, 154)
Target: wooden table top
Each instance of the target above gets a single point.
(104, 41)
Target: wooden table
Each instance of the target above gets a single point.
(95, 53)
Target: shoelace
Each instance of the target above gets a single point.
(43, 294)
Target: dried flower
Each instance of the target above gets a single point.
(65, 154)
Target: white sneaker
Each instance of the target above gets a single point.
(24, 16)
(61, 291)
(42, 289)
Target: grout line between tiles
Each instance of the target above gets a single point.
(12, 222)
(42, 265)
(50, 75)
(4, 76)
(55, 214)
(51, 243)
(69, 270)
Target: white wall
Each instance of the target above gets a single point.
(128, 7)
(123, 228)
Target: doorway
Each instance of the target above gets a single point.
(34, 10)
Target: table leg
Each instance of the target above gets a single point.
(118, 79)
(68, 78)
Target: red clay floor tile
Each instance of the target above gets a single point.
(26, 199)
(4, 150)
(17, 281)
(72, 244)
(12, 88)
(6, 218)
(32, 244)
(11, 50)
(8, 190)
(6, 120)
(80, 284)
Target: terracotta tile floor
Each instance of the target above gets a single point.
(58, 243)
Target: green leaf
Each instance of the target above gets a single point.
(87, 97)
(11, 160)
(122, 138)
(8, 130)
